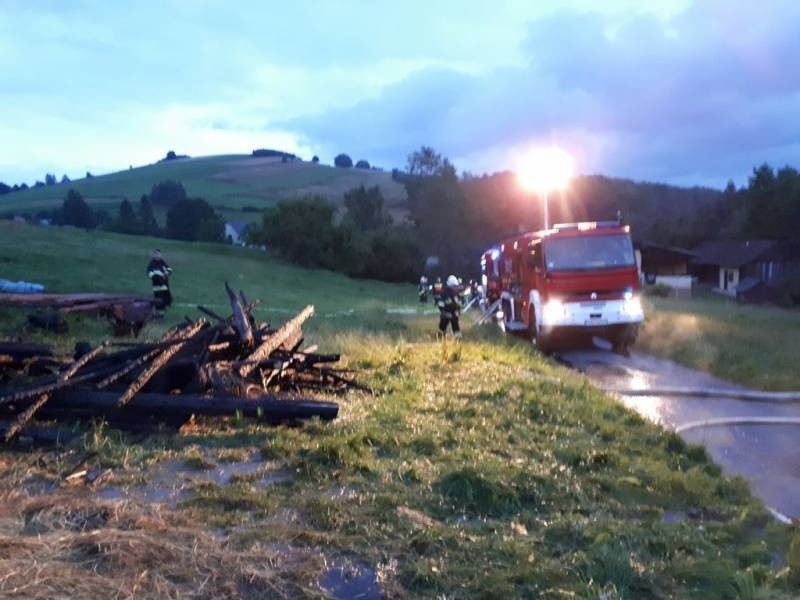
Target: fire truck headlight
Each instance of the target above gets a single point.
(553, 311)
(632, 306)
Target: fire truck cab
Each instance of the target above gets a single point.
(576, 279)
(490, 274)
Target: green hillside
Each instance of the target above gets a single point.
(228, 182)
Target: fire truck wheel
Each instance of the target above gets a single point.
(625, 339)
(542, 342)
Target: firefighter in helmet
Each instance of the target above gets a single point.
(449, 305)
(159, 271)
(437, 289)
(423, 289)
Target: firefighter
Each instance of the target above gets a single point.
(159, 271)
(423, 289)
(449, 305)
(437, 290)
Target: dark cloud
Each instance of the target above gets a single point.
(700, 98)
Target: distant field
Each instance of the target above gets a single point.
(73, 260)
(753, 345)
(227, 182)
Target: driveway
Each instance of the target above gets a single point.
(767, 456)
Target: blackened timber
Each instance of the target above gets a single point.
(240, 318)
(20, 351)
(160, 361)
(288, 332)
(268, 407)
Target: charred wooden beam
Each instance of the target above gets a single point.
(289, 331)
(241, 319)
(160, 361)
(268, 407)
(20, 351)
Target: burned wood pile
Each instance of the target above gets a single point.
(222, 366)
(128, 313)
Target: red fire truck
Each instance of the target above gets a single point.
(576, 278)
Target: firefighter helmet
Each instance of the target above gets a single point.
(452, 281)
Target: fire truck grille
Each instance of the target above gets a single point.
(587, 296)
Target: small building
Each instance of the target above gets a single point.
(234, 232)
(666, 265)
(735, 268)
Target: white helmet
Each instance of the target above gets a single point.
(452, 281)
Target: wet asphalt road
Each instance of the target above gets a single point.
(767, 456)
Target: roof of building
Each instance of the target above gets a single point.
(238, 226)
(732, 253)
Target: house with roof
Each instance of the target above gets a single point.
(666, 265)
(234, 232)
(747, 270)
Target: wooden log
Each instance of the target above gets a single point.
(44, 434)
(160, 361)
(26, 415)
(20, 351)
(288, 331)
(212, 314)
(268, 407)
(67, 300)
(241, 319)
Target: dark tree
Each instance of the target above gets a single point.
(146, 218)
(167, 193)
(23, 186)
(343, 161)
(362, 164)
(365, 208)
(194, 219)
(171, 155)
(49, 179)
(5, 188)
(75, 211)
(65, 179)
(426, 162)
(89, 175)
(39, 184)
(126, 222)
(315, 159)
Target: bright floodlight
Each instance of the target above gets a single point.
(545, 169)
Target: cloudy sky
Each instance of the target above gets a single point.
(683, 92)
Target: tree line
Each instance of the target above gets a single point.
(191, 219)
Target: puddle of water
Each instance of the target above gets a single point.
(172, 482)
(345, 581)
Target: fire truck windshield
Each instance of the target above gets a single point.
(589, 252)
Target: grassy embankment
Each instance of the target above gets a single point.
(229, 183)
(756, 346)
(477, 470)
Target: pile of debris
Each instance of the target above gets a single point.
(128, 313)
(223, 366)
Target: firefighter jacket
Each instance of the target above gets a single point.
(448, 303)
(158, 271)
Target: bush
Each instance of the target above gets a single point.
(788, 290)
(194, 219)
(75, 211)
(167, 193)
(315, 159)
(659, 290)
(362, 164)
(343, 161)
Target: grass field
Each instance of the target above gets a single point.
(475, 470)
(753, 345)
(229, 183)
